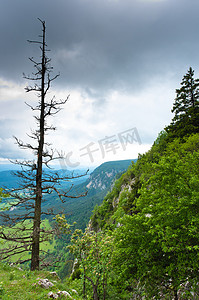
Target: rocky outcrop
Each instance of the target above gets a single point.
(124, 187)
(101, 180)
(46, 284)
(59, 294)
(104, 175)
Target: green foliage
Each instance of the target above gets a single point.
(94, 253)
(159, 245)
(152, 212)
(63, 224)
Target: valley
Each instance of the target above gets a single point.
(78, 210)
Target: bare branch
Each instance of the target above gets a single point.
(33, 108)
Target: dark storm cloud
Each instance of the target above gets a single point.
(139, 49)
(101, 44)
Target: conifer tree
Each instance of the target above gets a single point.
(185, 108)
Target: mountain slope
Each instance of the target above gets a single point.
(152, 216)
(97, 186)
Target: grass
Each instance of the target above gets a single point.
(21, 284)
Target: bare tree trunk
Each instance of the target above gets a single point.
(38, 199)
(36, 235)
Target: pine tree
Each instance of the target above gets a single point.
(185, 108)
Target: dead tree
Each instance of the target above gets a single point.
(35, 181)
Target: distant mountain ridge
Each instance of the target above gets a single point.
(97, 184)
(9, 180)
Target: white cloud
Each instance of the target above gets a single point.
(9, 90)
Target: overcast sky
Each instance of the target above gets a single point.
(120, 61)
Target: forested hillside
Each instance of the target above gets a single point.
(143, 241)
(97, 185)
